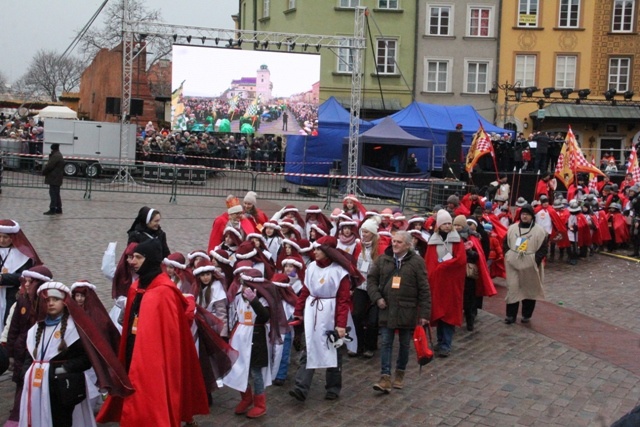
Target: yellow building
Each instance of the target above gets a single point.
(585, 47)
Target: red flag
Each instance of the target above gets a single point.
(633, 167)
(577, 160)
(480, 146)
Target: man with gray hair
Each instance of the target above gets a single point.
(397, 284)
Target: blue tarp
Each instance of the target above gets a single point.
(434, 122)
(316, 154)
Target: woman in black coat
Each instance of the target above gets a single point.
(147, 226)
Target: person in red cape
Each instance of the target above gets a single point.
(175, 265)
(251, 212)
(353, 208)
(446, 261)
(542, 186)
(168, 379)
(579, 232)
(234, 217)
(455, 208)
(549, 220)
(472, 200)
(559, 239)
(618, 228)
(496, 254)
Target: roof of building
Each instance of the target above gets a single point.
(590, 111)
(244, 81)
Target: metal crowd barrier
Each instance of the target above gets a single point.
(180, 180)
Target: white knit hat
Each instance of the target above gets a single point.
(371, 225)
(251, 197)
(443, 217)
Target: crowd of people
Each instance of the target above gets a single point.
(301, 282)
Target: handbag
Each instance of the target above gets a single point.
(423, 351)
(70, 387)
(472, 271)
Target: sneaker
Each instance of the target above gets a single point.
(509, 320)
(444, 353)
(525, 320)
(367, 354)
(331, 395)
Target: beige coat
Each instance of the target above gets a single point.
(524, 277)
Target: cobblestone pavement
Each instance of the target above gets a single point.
(498, 375)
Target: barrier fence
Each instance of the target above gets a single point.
(23, 171)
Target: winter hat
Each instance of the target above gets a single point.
(488, 226)
(250, 197)
(329, 241)
(39, 272)
(386, 212)
(221, 256)
(233, 205)
(443, 217)
(319, 229)
(416, 218)
(313, 209)
(280, 279)
(203, 267)
(460, 220)
(305, 246)
(398, 216)
(175, 260)
(54, 289)
(246, 250)
(151, 250)
(242, 265)
(453, 199)
(488, 205)
(521, 202)
(472, 221)
(82, 286)
(272, 224)
(197, 253)
(371, 225)
(295, 261)
(527, 208)
(617, 206)
(335, 213)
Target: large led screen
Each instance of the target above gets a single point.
(246, 91)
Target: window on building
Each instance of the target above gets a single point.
(566, 66)
(619, 74)
(292, 4)
(477, 77)
(528, 13)
(479, 22)
(622, 16)
(437, 78)
(439, 21)
(387, 4)
(525, 70)
(386, 56)
(349, 3)
(345, 57)
(569, 14)
(265, 8)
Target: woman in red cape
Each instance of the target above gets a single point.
(446, 261)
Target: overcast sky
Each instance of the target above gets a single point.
(31, 25)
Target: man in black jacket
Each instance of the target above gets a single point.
(53, 173)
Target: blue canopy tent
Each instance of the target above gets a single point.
(434, 122)
(316, 154)
(383, 151)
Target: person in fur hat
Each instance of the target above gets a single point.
(316, 217)
(323, 307)
(348, 240)
(248, 251)
(175, 265)
(292, 216)
(17, 255)
(525, 247)
(26, 310)
(352, 207)
(272, 234)
(210, 293)
(255, 302)
(446, 260)
(288, 297)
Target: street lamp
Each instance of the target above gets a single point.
(507, 114)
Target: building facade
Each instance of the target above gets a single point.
(457, 51)
(388, 64)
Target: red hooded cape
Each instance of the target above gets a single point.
(596, 237)
(620, 228)
(498, 227)
(446, 281)
(604, 226)
(169, 382)
(584, 232)
(220, 223)
(484, 283)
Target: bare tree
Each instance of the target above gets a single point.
(4, 82)
(110, 34)
(51, 74)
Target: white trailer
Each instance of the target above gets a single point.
(89, 147)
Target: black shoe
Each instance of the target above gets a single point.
(444, 353)
(278, 382)
(509, 320)
(58, 212)
(297, 394)
(331, 396)
(49, 212)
